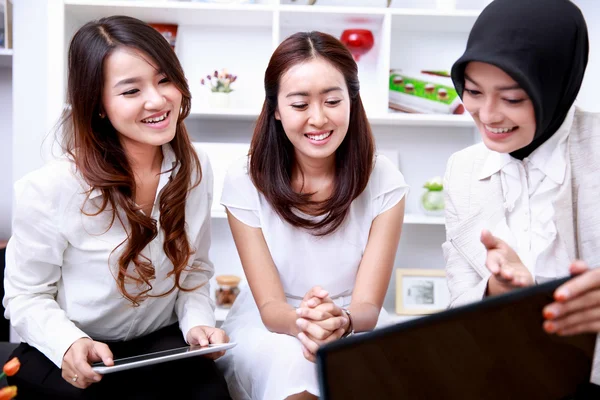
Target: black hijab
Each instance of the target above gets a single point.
(542, 45)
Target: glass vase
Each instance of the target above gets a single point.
(432, 202)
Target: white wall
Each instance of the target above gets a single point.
(5, 151)
(588, 97)
(33, 84)
(29, 85)
(27, 119)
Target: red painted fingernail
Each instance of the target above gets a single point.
(550, 327)
(562, 294)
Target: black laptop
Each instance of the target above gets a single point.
(492, 349)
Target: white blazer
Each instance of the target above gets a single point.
(473, 204)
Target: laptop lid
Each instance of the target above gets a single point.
(492, 349)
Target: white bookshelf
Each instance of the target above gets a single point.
(242, 38)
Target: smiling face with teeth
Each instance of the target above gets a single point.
(313, 106)
(141, 103)
(501, 109)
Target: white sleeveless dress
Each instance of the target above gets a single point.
(271, 366)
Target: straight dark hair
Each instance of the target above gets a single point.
(272, 154)
(93, 144)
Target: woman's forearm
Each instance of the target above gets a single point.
(279, 317)
(364, 316)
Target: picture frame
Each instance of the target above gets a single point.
(421, 291)
(6, 18)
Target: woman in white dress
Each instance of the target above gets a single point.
(316, 218)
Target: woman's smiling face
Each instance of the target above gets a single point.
(313, 106)
(501, 109)
(141, 103)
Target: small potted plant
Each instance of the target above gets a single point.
(432, 200)
(219, 84)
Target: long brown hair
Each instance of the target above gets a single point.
(93, 143)
(272, 154)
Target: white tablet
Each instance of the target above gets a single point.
(122, 364)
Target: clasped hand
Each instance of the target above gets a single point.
(320, 321)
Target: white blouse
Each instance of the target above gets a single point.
(304, 260)
(529, 188)
(60, 266)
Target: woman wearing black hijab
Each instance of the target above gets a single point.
(521, 207)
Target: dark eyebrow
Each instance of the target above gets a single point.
(510, 87)
(127, 81)
(306, 94)
(136, 79)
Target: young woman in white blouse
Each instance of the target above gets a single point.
(521, 207)
(316, 219)
(109, 252)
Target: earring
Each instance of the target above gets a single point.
(101, 115)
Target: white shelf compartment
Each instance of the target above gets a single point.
(209, 37)
(409, 19)
(411, 219)
(6, 56)
(372, 66)
(432, 20)
(200, 51)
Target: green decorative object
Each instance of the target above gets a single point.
(432, 201)
(425, 92)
